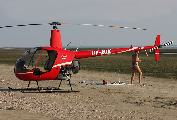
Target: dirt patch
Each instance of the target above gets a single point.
(156, 99)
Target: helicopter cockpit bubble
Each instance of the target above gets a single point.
(28, 60)
(37, 59)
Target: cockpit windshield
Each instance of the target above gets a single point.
(28, 60)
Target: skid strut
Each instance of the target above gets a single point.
(68, 76)
(29, 84)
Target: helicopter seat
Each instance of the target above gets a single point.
(40, 70)
(49, 63)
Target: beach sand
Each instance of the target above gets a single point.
(156, 99)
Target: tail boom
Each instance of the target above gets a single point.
(94, 53)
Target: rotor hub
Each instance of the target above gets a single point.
(55, 25)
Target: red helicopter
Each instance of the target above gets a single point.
(61, 63)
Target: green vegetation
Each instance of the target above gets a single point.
(119, 63)
(10, 56)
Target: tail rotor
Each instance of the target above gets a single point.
(157, 46)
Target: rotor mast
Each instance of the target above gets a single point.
(55, 40)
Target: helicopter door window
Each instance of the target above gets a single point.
(46, 61)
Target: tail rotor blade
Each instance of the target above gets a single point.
(168, 43)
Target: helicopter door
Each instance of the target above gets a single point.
(45, 62)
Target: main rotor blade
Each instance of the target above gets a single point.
(58, 23)
(25, 25)
(111, 26)
(33, 24)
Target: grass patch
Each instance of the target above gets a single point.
(119, 63)
(10, 56)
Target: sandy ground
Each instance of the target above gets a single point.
(156, 99)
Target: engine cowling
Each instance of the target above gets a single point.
(75, 66)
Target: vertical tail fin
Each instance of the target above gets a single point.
(157, 42)
(156, 51)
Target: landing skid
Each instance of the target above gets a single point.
(43, 89)
(40, 89)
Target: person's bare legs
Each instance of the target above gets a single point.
(133, 75)
(140, 73)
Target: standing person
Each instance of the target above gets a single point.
(135, 67)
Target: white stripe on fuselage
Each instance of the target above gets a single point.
(128, 50)
(62, 64)
(24, 73)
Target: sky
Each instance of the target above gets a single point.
(157, 16)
